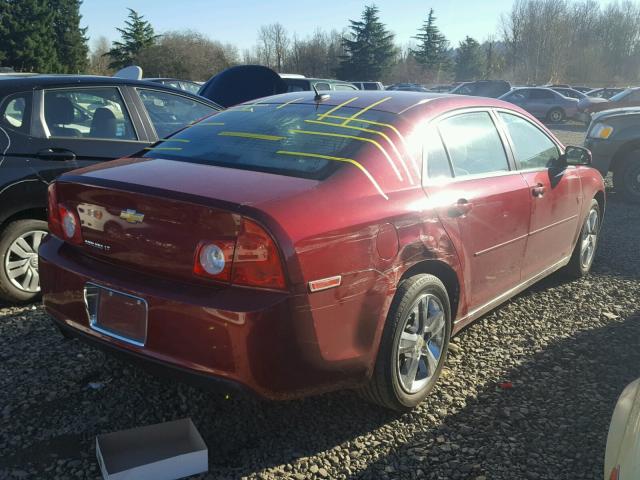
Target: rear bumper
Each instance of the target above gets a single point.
(264, 341)
(156, 367)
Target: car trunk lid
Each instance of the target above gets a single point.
(153, 218)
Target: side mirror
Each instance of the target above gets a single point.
(576, 156)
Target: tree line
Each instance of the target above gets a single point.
(537, 41)
(43, 36)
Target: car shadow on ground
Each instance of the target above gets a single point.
(571, 127)
(565, 394)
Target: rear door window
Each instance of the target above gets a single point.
(540, 95)
(169, 112)
(98, 113)
(435, 159)
(15, 111)
(474, 145)
(322, 86)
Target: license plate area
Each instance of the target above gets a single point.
(116, 314)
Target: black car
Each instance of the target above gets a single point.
(483, 88)
(614, 140)
(52, 124)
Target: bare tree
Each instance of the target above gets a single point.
(273, 46)
(98, 62)
(188, 55)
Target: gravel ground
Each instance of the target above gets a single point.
(567, 349)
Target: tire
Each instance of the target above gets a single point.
(16, 285)
(585, 249)
(555, 115)
(626, 177)
(390, 385)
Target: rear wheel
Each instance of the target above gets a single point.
(414, 344)
(19, 242)
(626, 177)
(585, 249)
(555, 115)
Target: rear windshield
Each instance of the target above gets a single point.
(300, 140)
(619, 96)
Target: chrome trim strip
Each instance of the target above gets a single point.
(477, 176)
(478, 312)
(553, 225)
(93, 320)
(39, 126)
(504, 244)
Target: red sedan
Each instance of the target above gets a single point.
(306, 243)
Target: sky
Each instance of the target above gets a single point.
(237, 22)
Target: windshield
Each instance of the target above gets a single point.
(620, 96)
(303, 140)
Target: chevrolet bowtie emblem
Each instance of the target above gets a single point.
(131, 216)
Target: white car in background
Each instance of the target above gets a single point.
(622, 457)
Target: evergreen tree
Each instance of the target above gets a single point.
(469, 60)
(369, 50)
(432, 51)
(27, 37)
(4, 13)
(137, 35)
(71, 40)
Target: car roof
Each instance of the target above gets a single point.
(391, 101)
(16, 84)
(328, 80)
(171, 79)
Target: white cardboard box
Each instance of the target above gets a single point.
(166, 451)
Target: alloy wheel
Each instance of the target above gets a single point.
(589, 239)
(21, 261)
(421, 343)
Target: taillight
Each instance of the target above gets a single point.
(252, 260)
(257, 262)
(214, 259)
(70, 225)
(63, 222)
(55, 225)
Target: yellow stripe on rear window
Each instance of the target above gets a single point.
(337, 159)
(254, 136)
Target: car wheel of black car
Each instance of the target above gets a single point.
(626, 177)
(585, 249)
(414, 344)
(19, 242)
(555, 115)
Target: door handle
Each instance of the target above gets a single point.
(461, 208)
(59, 154)
(538, 190)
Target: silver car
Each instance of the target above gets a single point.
(543, 103)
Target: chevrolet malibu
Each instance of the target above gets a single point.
(310, 242)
